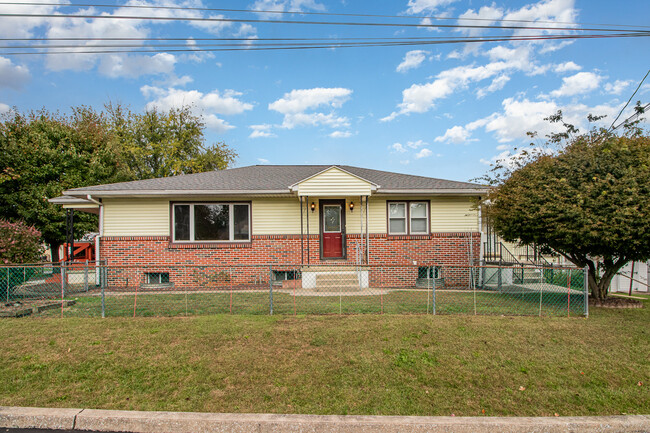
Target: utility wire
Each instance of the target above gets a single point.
(294, 42)
(303, 42)
(628, 103)
(279, 12)
(332, 23)
(253, 47)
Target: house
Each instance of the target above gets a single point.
(278, 215)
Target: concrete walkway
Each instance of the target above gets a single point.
(187, 422)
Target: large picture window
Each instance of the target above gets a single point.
(408, 218)
(211, 222)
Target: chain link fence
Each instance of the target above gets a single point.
(97, 290)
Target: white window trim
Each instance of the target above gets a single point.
(410, 218)
(231, 221)
(405, 218)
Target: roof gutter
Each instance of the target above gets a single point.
(135, 193)
(449, 191)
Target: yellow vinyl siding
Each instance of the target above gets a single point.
(136, 217)
(275, 216)
(453, 214)
(334, 182)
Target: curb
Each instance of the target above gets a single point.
(191, 422)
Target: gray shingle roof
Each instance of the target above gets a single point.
(271, 179)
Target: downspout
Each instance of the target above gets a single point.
(367, 236)
(302, 236)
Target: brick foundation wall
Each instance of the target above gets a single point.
(248, 264)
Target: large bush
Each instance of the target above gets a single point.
(19, 243)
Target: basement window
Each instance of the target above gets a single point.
(157, 277)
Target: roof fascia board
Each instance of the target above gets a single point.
(162, 193)
(373, 186)
(448, 191)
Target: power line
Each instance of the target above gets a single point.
(89, 49)
(280, 12)
(333, 23)
(293, 41)
(628, 103)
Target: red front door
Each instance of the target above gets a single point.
(332, 230)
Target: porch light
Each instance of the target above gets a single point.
(313, 206)
(351, 206)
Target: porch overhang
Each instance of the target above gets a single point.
(76, 203)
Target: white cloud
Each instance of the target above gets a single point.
(416, 144)
(503, 147)
(261, 131)
(117, 65)
(285, 6)
(455, 135)
(208, 105)
(262, 161)
(497, 84)
(23, 27)
(423, 153)
(617, 87)
(567, 67)
(420, 98)
(298, 101)
(412, 60)
(398, 147)
(4, 108)
(293, 106)
(419, 6)
(554, 13)
(487, 15)
(341, 134)
(12, 75)
(582, 82)
(520, 116)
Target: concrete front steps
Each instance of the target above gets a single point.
(334, 278)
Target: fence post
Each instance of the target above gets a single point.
(64, 277)
(102, 276)
(473, 282)
(271, 289)
(568, 301)
(433, 295)
(586, 289)
(540, 300)
(7, 269)
(86, 277)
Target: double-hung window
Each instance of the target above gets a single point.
(211, 222)
(408, 217)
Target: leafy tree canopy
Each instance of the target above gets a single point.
(42, 154)
(161, 144)
(586, 196)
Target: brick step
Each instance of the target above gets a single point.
(337, 281)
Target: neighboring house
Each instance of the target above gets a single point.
(285, 215)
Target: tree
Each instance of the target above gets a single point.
(161, 144)
(588, 199)
(41, 155)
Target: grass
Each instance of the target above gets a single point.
(394, 302)
(360, 364)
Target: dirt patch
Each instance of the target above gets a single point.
(612, 302)
(31, 306)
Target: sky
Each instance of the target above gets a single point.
(437, 110)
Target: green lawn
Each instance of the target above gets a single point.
(350, 364)
(418, 301)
